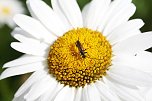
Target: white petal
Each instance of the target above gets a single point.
(107, 92)
(23, 61)
(34, 27)
(40, 87)
(25, 39)
(148, 95)
(57, 9)
(115, 7)
(72, 12)
(18, 70)
(47, 16)
(66, 94)
(78, 94)
(120, 17)
(10, 23)
(85, 96)
(20, 98)
(129, 76)
(40, 49)
(52, 92)
(95, 13)
(93, 93)
(85, 13)
(103, 98)
(124, 93)
(30, 9)
(125, 30)
(140, 61)
(36, 76)
(134, 44)
(122, 83)
(18, 30)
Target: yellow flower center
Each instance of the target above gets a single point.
(6, 10)
(81, 56)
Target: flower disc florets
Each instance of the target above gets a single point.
(81, 56)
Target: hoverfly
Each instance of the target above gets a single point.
(81, 50)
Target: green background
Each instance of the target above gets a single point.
(9, 86)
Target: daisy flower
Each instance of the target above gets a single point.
(94, 55)
(8, 8)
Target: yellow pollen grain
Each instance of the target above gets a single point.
(81, 56)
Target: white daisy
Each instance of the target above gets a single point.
(96, 55)
(8, 8)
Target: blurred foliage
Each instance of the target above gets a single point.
(9, 86)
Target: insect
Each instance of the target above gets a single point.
(81, 50)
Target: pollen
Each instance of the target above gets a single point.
(81, 56)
